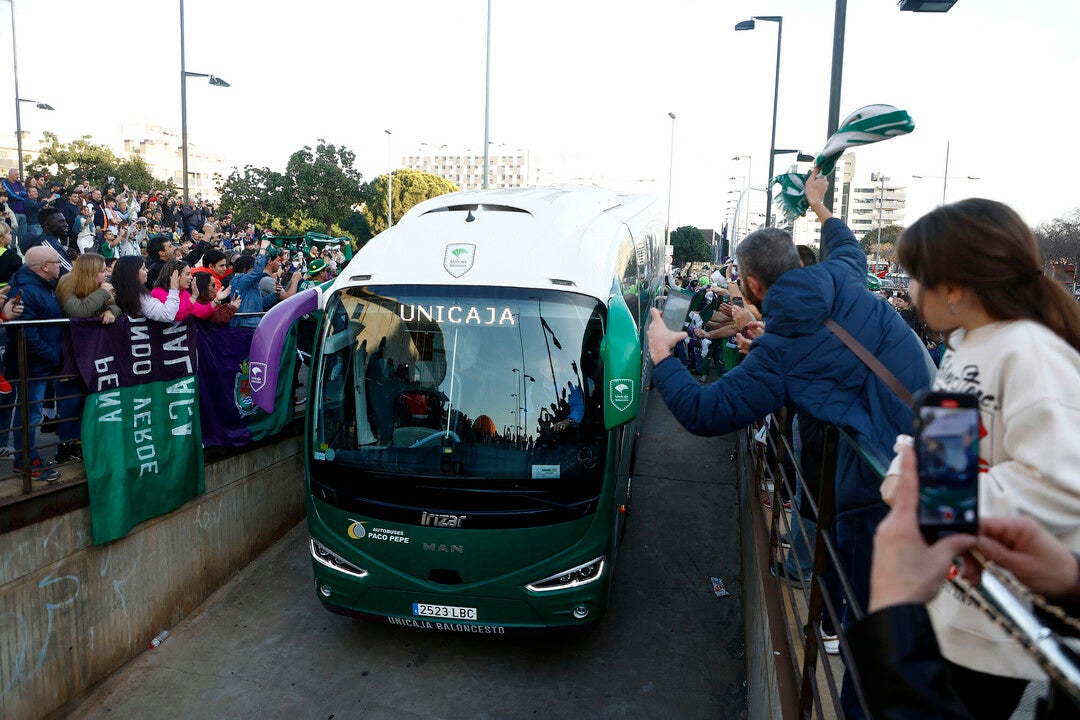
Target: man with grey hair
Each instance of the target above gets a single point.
(35, 283)
(801, 363)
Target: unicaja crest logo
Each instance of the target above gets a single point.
(459, 257)
(257, 374)
(242, 385)
(621, 393)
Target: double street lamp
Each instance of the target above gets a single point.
(749, 25)
(945, 178)
(18, 123)
(184, 75)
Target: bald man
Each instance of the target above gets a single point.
(36, 282)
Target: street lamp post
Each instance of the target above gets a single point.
(184, 75)
(18, 113)
(487, 95)
(389, 181)
(749, 175)
(945, 178)
(878, 177)
(839, 28)
(671, 170)
(749, 25)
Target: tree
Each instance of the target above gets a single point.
(410, 187)
(890, 236)
(323, 184)
(318, 191)
(689, 245)
(1059, 239)
(254, 195)
(82, 158)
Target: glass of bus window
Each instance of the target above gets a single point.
(495, 383)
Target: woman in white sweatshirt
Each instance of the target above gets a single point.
(129, 285)
(1013, 341)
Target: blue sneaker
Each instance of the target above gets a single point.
(39, 471)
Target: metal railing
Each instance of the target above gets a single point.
(20, 485)
(813, 683)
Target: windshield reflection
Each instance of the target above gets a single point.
(488, 383)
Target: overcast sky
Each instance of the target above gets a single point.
(588, 83)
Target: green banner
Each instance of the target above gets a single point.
(145, 446)
(142, 439)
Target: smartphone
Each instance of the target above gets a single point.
(947, 432)
(737, 301)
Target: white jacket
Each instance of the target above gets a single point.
(1028, 383)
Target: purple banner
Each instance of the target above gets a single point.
(133, 351)
(226, 381)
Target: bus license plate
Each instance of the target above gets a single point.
(444, 611)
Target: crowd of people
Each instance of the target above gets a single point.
(818, 342)
(70, 250)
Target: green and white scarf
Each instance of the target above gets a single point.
(866, 125)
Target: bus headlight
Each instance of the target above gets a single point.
(332, 560)
(574, 577)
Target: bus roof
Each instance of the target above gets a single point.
(548, 237)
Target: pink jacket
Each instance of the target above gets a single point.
(187, 305)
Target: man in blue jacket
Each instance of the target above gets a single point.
(248, 271)
(800, 363)
(35, 282)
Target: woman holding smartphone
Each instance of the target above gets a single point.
(1013, 340)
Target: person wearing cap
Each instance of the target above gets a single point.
(317, 273)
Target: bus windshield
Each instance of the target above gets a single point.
(464, 395)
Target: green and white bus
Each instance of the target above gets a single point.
(475, 389)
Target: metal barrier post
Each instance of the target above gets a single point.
(24, 412)
(825, 512)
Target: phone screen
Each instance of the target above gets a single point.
(947, 446)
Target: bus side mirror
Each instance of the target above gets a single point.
(620, 351)
(264, 360)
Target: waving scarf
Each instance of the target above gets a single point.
(866, 125)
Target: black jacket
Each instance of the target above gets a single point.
(9, 263)
(903, 675)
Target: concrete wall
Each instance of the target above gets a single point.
(72, 613)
